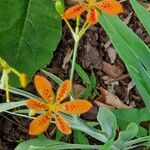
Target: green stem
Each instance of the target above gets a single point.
(15, 71)
(77, 24)
(76, 38)
(7, 88)
(69, 26)
(2, 81)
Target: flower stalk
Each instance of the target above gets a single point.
(4, 82)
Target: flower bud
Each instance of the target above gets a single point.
(60, 7)
(23, 80)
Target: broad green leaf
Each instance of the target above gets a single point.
(141, 132)
(125, 136)
(47, 144)
(142, 80)
(82, 74)
(125, 116)
(107, 121)
(41, 141)
(133, 52)
(142, 13)
(29, 33)
(10, 105)
(80, 138)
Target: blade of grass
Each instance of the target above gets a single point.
(142, 13)
(84, 76)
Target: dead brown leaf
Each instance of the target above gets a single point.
(100, 104)
(91, 58)
(67, 58)
(111, 70)
(111, 99)
(112, 54)
(78, 90)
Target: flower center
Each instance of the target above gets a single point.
(56, 107)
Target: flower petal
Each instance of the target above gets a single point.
(36, 105)
(62, 125)
(77, 106)
(40, 124)
(63, 90)
(92, 16)
(44, 88)
(112, 7)
(74, 11)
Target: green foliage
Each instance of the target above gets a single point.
(125, 116)
(53, 77)
(142, 14)
(42, 143)
(59, 135)
(107, 121)
(10, 105)
(29, 33)
(80, 138)
(82, 74)
(89, 80)
(108, 145)
(133, 52)
(125, 136)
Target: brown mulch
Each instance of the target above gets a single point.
(96, 54)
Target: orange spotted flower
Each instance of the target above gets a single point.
(53, 105)
(112, 7)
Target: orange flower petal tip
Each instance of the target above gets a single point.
(76, 106)
(74, 11)
(112, 7)
(92, 16)
(44, 88)
(63, 125)
(63, 90)
(40, 124)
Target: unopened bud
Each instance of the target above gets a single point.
(60, 7)
(23, 80)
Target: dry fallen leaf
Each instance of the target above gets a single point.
(78, 90)
(111, 99)
(100, 104)
(91, 58)
(130, 86)
(111, 70)
(112, 54)
(67, 58)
